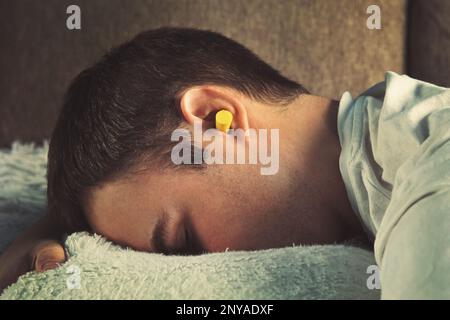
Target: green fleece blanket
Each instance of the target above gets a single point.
(97, 269)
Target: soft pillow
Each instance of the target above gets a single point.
(99, 270)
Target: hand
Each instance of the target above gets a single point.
(27, 255)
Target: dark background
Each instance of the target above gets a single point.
(323, 44)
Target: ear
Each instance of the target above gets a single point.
(201, 103)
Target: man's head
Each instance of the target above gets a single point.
(110, 167)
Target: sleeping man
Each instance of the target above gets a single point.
(375, 169)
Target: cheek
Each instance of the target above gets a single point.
(220, 215)
(219, 229)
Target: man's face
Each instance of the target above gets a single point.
(190, 212)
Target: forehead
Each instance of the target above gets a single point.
(142, 187)
(125, 210)
(119, 195)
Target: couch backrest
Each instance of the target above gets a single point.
(323, 44)
(429, 41)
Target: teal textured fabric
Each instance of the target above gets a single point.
(99, 270)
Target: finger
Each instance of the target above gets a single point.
(48, 255)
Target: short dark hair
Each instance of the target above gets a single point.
(125, 107)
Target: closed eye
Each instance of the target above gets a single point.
(184, 243)
(186, 237)
(185, 246)
(160, 234)
(180, 245)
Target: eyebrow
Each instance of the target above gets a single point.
(159, 234)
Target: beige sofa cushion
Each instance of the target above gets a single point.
(429, 41)
(324, 44)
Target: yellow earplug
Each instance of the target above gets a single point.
(223, 120)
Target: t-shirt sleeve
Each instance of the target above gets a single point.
(412, 245)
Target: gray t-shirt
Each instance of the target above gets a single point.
(395, 163)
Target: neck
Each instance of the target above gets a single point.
(312, 144)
